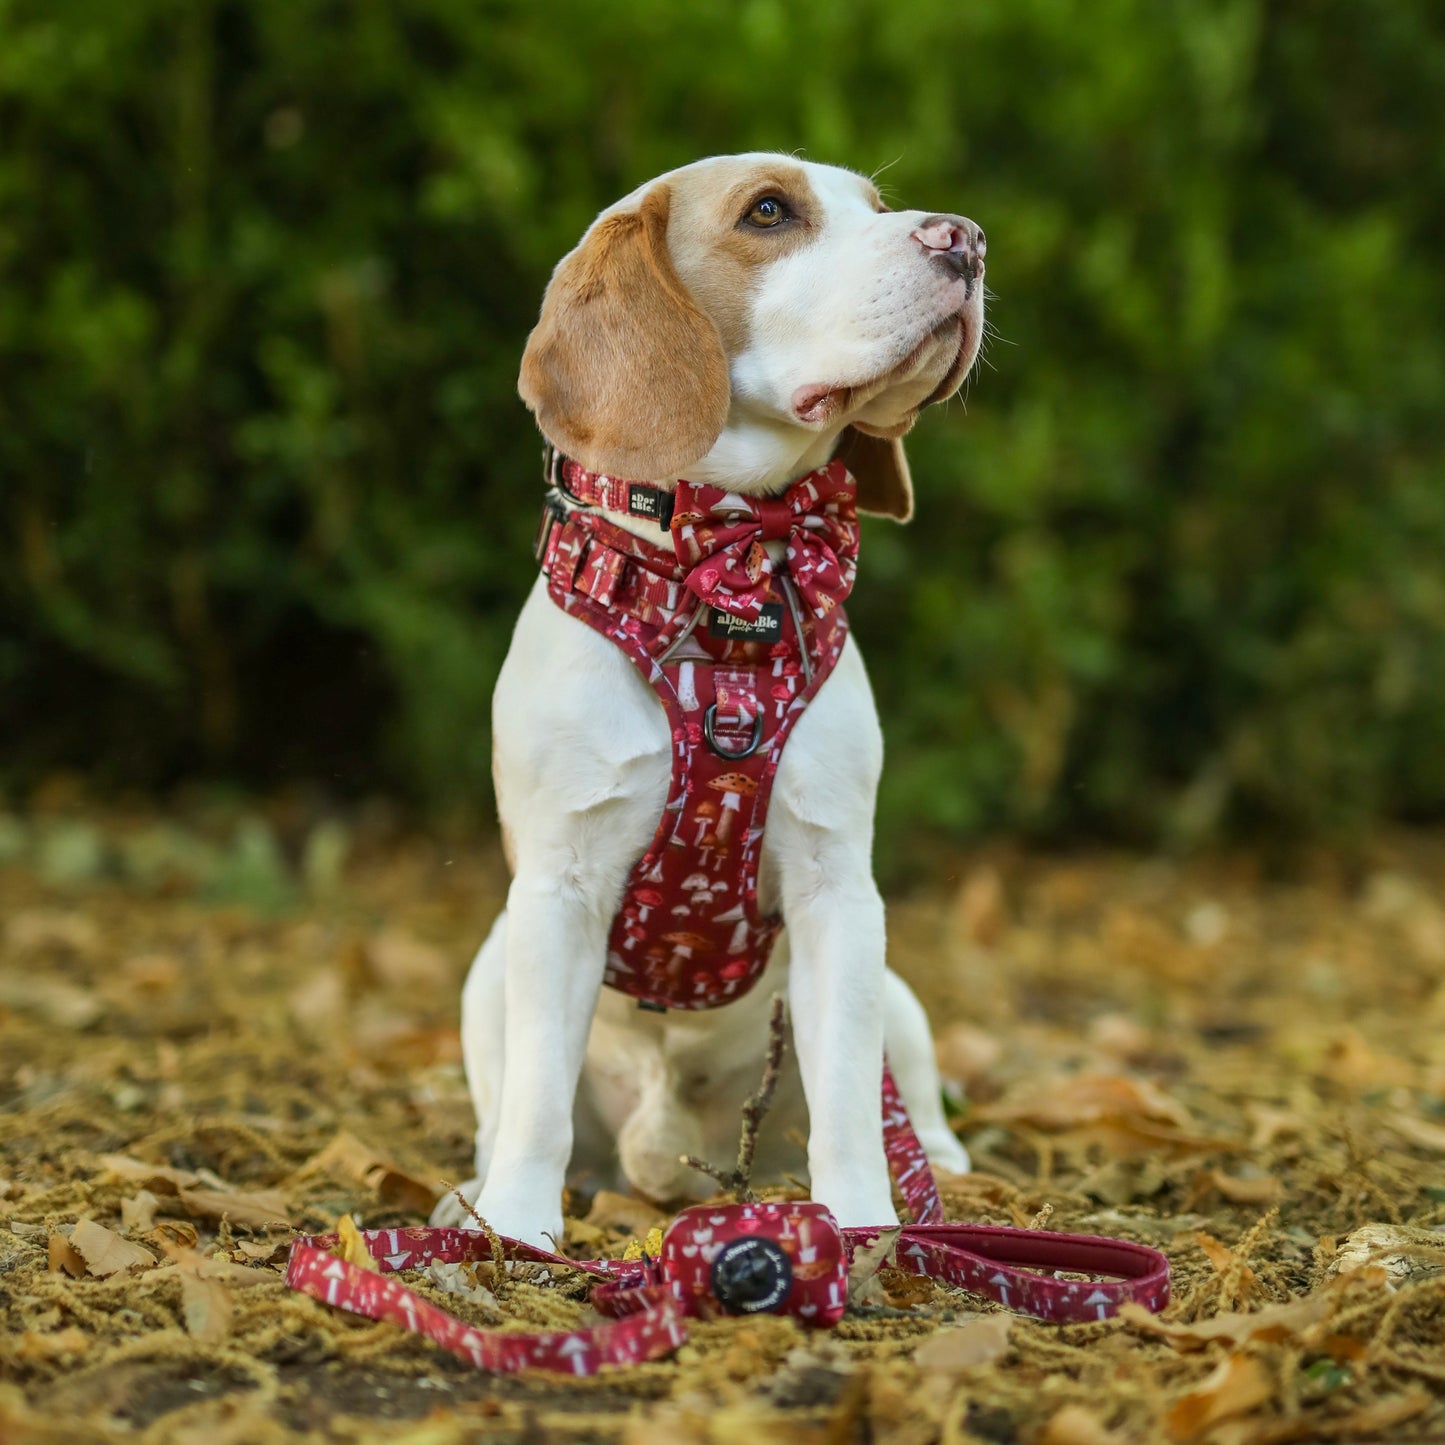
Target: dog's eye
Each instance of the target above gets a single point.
(768, 211)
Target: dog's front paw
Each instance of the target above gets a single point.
(450, 1213)
(532, 1221)
(947, 1155)
(857, 1202)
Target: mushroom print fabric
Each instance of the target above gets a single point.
(734, 661)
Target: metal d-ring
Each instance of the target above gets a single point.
(709, 724)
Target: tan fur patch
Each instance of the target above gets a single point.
(718, 259)
(624, 371)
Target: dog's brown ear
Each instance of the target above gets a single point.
(880, 467)
(624, 372)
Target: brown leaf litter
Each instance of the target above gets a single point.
(1241, 1067)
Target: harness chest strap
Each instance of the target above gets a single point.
(733, 651)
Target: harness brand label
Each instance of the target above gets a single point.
(767, 626)
(644, 501)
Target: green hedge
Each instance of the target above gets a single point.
(266, 270)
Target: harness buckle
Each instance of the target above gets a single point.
(709, 731)
(554, 514)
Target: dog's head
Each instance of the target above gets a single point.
(749, 316)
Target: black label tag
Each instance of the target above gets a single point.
(644, 501)
(767, 626)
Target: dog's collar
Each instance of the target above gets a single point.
(612, 494)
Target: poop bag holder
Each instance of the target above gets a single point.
(781, 1258)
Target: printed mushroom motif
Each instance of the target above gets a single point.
(736, 916)
(698, 887)
(782, 695)
(686, 689)
(734, 787)
(683, 946)
(707, 810)
(647, 900)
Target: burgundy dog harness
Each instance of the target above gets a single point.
(734, 647)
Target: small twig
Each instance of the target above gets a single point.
(494, 1240)
(739, 1180)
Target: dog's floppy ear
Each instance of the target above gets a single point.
(624, 372)
(880, 467)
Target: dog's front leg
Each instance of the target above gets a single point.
(556, 948)
(817, 852)
(836, 993)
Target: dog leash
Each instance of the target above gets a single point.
(787, 1258)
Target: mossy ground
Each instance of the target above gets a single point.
(1242, 1065)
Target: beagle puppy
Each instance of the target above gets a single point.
(740, 322)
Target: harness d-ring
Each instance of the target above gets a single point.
(709, 724)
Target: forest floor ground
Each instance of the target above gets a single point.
(220, 1028)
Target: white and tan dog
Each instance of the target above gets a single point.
(739, 321)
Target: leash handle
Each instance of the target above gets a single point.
(1000, 1264)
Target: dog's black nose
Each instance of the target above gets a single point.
(955, 242)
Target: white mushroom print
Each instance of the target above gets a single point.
(686, 691)
(734, 787)
(739, 920)
(698, 887)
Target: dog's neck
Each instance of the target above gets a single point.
(756, 456)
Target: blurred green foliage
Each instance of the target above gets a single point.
(266, 270)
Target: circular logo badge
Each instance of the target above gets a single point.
(751, 1275)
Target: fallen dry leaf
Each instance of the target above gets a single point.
(979, 1342)
(350, 1246)
(966, 1053)
(864, 1286)
(206, 1307)
(255, 1208)
(1406, 1254)
(1068, 1100)
(1264, 1190)
(623, 1212)
(156, 1177)
(105, 1252)
(261, 1251)
(1238, 1385)
(64, 1256)
(1123, 1116)
(138, 1215)
(1273, 1324)
(346, 1157)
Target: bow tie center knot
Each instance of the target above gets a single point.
(775, 517)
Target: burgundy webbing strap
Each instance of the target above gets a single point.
(998, 1263)
(653, 1326)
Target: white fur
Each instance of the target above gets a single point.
(581, 766)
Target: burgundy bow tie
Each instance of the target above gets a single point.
(719, 536)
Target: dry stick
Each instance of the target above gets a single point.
(739, 1181)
